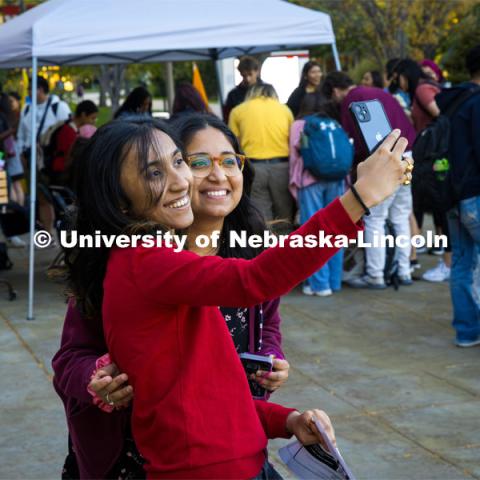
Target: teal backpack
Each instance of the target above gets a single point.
(325, 148)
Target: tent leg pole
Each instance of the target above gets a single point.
(33, 187)
(336, 57)
(170, 85)
(219, 86)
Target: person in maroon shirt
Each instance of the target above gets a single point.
(339, 87)
(193, 415)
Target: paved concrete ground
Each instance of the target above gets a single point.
(405, 402)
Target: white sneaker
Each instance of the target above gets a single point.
(324, 293)
(307, 290)
(16, 242)
(466, 343)
(441, 273)
(375, 283)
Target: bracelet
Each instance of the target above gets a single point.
(359, 200)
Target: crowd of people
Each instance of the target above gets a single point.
(149, 332)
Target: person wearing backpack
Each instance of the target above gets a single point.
(320, 158)
(427, 185)
(339, 87)
(463, 180)
(50, 110)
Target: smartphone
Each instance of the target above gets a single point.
(371, 121)
(252, 363)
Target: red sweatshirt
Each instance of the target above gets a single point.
(193, 414)
(64, 141)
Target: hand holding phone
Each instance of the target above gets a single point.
(252, 363)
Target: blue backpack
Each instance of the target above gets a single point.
(325, 148)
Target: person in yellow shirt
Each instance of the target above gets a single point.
(262, 125)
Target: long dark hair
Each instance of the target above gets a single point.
(187, 97)
(103, 206)
(136, 98)
(306, 68)
(317, 104)
(412, 71)
(6, 109)
(245, 216)
(377, 80)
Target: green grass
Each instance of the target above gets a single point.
(104, 116)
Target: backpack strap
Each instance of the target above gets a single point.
(44, 116)
(459, 100)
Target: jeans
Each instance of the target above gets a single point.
(268, 473)
(397, 209)
(311, 199)
(464, 223)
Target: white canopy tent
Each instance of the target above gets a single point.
(87, 32)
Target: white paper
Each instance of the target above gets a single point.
(305, 466)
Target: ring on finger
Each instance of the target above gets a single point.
(409, 167)
(109, 401)
(408, 178)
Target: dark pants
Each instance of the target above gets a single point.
(268, 473)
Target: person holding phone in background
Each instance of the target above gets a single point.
(339, 87)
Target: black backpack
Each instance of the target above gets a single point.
(432, 143)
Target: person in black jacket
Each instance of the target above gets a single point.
(249, 69)
(464, 194)
(309, 84)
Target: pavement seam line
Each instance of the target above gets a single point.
(453, 384)
(382, 420)
(27, 347)
(386, 423)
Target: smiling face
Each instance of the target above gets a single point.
(314, 76)
(217, 195)
(159, 192)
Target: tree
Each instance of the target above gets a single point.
(464, 35)
(383, 29)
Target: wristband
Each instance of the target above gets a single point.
(359, 200)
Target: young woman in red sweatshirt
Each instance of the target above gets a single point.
(193, 415)
(254, 329)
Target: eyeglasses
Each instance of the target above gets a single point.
(201, 164)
